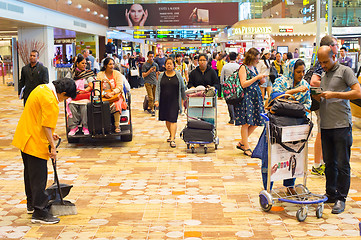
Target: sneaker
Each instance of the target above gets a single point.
(30, 210)
(149, 111)
(47, 219)
(231, 122)
(86, 131)
(73, 131)
(153, 113)
(318, 171)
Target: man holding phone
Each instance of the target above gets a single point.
(150, 71)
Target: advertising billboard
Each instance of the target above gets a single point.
(172, 14)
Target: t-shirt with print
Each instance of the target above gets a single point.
(335, 112)
(152, 77)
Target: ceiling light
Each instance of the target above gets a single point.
(291, 39)
(78, 6)
(69, 2)
(106, 17)
(301, 40)
(284, 40)
(95, 13)
(101, 15)
(87, 9)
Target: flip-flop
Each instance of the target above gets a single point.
(168, 139)
(247, 150)
(172, 144)
(240, 146)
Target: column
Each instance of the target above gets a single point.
(42, 34)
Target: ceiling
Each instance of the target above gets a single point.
(9, 28)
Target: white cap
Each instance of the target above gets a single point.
(265, 51)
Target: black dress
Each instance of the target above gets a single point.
(169, 99)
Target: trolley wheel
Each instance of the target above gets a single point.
(205, 149)
(188, 145)
(265, 200)
(193, 150)
(319, 210)
(301, 214)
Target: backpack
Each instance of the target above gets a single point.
(273, 74)
(232, 89)
(315, 105)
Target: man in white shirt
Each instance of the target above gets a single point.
(227, 70)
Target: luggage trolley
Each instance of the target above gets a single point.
(295, 165)
(204, 108)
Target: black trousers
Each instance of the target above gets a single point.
(35, 179)
(336, 150)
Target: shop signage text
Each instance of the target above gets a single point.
(251, 30)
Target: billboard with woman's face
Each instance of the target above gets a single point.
(172, 14)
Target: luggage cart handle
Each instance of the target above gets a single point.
(264, 115)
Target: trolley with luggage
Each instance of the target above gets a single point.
(286, 144)
(201, 128)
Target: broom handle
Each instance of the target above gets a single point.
(53, 161)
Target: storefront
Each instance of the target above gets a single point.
(275, 34)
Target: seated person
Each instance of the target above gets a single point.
(113, 79)
(76, 108)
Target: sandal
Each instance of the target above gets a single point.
(168, 139)
(247, 150)
(240, 146)
(172, 144)
(117, 130)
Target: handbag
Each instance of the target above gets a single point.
(111, 99)
(81, 96)
(273, 74)
(286, 107)
(209, 91)
(134, 72)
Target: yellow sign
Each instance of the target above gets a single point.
(305, 2)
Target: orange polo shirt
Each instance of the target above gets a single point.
(41, 110)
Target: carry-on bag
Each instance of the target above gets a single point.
(99, 118)
(197, 135)
(199, 124)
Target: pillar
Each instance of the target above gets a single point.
(45, 35)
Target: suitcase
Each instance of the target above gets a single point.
(200, 124)
(99, 118)
(197, 135)
(145, 103)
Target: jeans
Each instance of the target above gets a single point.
(151, 94)
(35, 179)
(336, 150)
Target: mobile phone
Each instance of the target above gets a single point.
(316, 90)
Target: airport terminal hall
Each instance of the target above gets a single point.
(184, 120)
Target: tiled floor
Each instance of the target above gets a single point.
(146, 190)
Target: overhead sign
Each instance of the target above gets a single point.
(141, 34)
(195, 34)
(172, 14)
(309, 10)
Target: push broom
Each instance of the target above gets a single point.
(60, 207)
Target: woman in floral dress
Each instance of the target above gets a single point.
(247, 112)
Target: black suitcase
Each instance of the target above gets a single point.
(200, 124)
(99, 118)
(197, 135)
